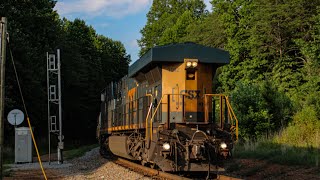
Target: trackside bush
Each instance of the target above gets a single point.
(303, 131)
(260, 108)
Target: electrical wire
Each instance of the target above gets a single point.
(25, 109)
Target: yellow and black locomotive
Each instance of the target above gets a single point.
(163, 113)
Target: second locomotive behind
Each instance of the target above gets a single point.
(163, 113)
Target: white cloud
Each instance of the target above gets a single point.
(113, 8)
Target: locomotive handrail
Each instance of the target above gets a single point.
(149, 111)
(237, 122)
(230, 112)
(155, 111)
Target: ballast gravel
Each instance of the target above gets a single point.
(93, 166)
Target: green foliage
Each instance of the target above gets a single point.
(207, 31)
(91, 61)
(174, 33)
(304, 131)
(167, 22)
(260, 108)
(266, 149)
(8, 155)
(261, 38)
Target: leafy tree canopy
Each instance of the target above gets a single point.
(167, 21)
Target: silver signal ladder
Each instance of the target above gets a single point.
(54, 102)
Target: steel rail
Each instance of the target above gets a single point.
(146, 170)
(157, 173)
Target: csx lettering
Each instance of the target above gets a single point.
(189, 94)
(192, 94)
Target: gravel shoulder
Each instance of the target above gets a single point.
(89, 166)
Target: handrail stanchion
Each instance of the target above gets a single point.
(183, 113)
(206, 111)
(168, 115)
(235, 117)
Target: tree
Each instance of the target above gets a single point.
(34, 29)
(166, 20)
(90, 62)
(309, 92)
(261, 40)
(260, 108)
(208, 31)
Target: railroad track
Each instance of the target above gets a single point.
(158, 174)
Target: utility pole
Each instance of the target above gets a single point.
(3, 27)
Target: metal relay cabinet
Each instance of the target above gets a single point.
(23, 145)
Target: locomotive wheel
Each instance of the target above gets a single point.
(104, 147)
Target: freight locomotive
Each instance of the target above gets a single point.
(163, 113)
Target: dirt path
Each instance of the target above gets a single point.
(257, 169)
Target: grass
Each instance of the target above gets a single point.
(8, 155)
(77, 152)
(278, 153)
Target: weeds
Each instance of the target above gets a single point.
(278, 153)
(8, 155)
(77, 152)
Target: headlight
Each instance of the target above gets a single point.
(194, 64)
(189, 64)
(223, 145)
(166, 146)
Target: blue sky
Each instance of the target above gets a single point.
(117, 19)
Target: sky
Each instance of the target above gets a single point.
(119, 20)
